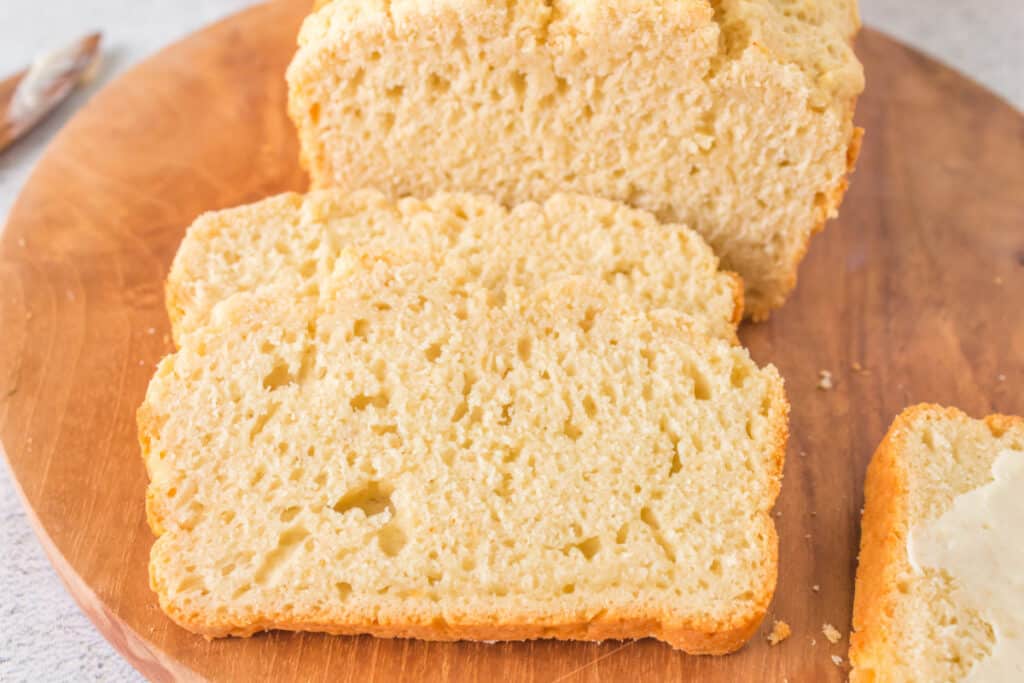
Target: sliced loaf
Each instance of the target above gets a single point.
(731, 116)
(916, 623)
(293, 241)
(411, 457)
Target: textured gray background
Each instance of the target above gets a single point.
(43, 636)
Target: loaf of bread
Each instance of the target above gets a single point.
(407, 456)
(733, 117)
(916, 617)
(294, 241)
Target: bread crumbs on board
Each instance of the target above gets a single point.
(832, 633)
(780, 631)
(825, 380)
(837, 660)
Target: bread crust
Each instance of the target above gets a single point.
(693, 638)
(761, 310)
(883, 546)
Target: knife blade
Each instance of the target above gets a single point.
(28, 96)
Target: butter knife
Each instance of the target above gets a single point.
(28, 96)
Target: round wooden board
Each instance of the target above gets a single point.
(919, 283)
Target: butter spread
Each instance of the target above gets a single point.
(980, 542)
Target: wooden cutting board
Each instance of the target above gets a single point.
(919, 284)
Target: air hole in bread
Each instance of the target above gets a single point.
(587, 321)
(739, 375)
(262, 420)
(391, 539)
(518, 83)
(588, 547)
(287, 543)
(373, 499)
(362, 401)
(437, 84)
(278, 377)
(360, 328)
(701, 385)
(648, 518)
(433, 352)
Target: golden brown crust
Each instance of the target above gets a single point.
(760, 311)
(147, 426)
(175, 301)
(883, 546)
(738, 301)
(709, 639)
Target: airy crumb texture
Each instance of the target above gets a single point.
(295, 241)
(780, 631)
(909, 626)
(731, 116)
(407, 456)
(832, 633)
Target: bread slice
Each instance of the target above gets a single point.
(409, 457)
(733, 116)
(295, 240)
(911, 624)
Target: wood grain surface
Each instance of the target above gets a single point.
(919, 285)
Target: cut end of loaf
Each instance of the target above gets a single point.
(636, 102)
(407, 456)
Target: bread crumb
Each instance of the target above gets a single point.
(998, 280)
(803, 454)
(1001, 378)
(815, 588)
(832, 633)
(21, 242)
(778, 513)
(151, 330)
(837, 660)
(860, 369)
(825, 380)
(813, 642)
(780, 631)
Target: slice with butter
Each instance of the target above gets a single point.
(940, 586)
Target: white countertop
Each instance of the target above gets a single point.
(43, 635)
